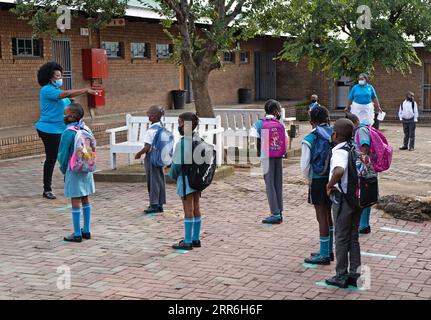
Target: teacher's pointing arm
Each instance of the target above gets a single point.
(76, 93)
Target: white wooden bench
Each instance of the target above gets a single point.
(209, 129)
(238, 122)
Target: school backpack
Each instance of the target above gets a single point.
(162, 148)
(273, 141)
(200, 172)
(362, 191)
(380, 150)
(320, 153)
(83, 158)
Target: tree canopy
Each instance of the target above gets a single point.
(329, 35)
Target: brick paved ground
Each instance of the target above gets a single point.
(130, 256)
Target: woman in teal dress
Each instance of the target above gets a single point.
(77, 186)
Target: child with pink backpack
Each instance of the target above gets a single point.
(271, 136)
(77, 159)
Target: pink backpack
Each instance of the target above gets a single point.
(274, 143)
(83, 159)
(380, 150)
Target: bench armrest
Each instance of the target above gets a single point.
(212, 132)
(115, 130)
(112, 133)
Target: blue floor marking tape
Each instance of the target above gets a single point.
(310, 266)
(181, 251)
(350, 288)
(63, 208)
(398, 230)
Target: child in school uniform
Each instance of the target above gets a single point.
(362, 134)
(316, 149)
(77, 186)
(156, 182)
(346, 218)
(187, 123)
(272, 139)
(409, 116)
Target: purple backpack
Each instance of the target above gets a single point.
(380, 150)
(274, 143)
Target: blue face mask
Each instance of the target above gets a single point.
(59, 82)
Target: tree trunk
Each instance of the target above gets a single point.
(201, 94)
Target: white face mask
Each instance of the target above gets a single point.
(362, 82)
(59, 82)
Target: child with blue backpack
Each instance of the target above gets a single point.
(156, 182)
(77, 167)
(316, 150)
(271, 137)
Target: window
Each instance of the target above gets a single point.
(244, 57)
(164, 51)
(113, 49)
(229, 57)
(140, 50)
(26, 47)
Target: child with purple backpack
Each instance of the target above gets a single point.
(272, 144)
(77, 159)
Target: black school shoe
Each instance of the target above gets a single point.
(318, 260)
(273, 219)
(86, 235)
(366, 230)
(153, 209)
(338, 281)
(182, 246)
(352, 279)
(314, 254)
(196, 243)
(49, 195)
(73, 238)
(403, 148)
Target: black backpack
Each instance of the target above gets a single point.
(362, 192)
(200, 175)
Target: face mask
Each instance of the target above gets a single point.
(181, 130)
(313, 101)
(362, 82)
(59, 82)
(409, 99)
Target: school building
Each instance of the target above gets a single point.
(140, 73)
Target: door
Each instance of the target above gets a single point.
(61, 54)
(265, 69)
(426, 87)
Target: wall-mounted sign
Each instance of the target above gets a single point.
(85, 32)
(117, 23)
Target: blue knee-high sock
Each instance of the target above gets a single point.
(365, 218)
(324, 247)
(86, 210)
(188, 229)
(197, 229)
(76, 219)
(331, 239)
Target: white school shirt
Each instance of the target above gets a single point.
(407, 112)
(340, 158)
(151, 133)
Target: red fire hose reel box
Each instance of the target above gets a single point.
(94, 63)
(97, 101)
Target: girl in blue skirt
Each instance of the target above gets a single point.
(77, 186)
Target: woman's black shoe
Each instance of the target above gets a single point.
(153, 209)
(182, 246)
(73, 238)
(365, 230)
(49, 195)
(86, 235)
(196, 243)
(338, 281)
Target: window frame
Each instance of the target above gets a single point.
(170, 50)
(247, 53)
(35, 44)
(232, 55)
(147, 50)
(120, 49)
